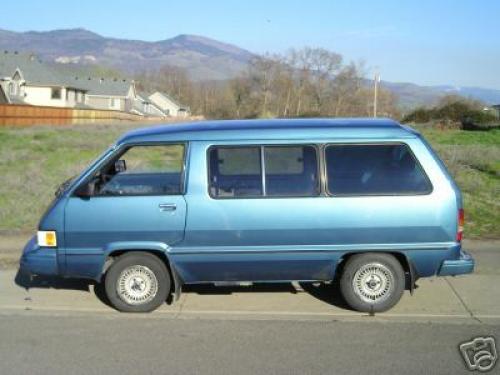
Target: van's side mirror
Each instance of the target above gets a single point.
(85, 190)
(120, 166)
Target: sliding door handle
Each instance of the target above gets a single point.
(167, 206)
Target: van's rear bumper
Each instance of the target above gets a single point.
(464, 264)
(38, 260)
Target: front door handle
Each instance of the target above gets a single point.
(167, 206)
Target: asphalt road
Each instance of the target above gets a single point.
(60, 327)
(83, 344)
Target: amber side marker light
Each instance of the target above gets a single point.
(461, 221)
(46, 238)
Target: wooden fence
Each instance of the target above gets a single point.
(25, 115)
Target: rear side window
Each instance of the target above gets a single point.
(238, 161)
(291, 171)
(235, 172)
(263, 171)
(374, 170)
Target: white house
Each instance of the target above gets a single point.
(143, 106)
(26, 80)
(108, 93)
(168, 105)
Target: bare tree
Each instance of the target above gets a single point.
(303, 82)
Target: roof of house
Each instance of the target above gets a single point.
(144, 95)
(36, 72)
(275, 129)
(137, 105)
(3, 96)
(103, 86)
(33, 70)
(168, 97)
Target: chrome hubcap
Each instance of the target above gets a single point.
(373, 282)
(137, 285)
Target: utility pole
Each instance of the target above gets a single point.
(375, 93)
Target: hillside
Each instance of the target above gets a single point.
(411, 95)
(202, 57)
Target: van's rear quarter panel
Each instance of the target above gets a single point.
(268, 236)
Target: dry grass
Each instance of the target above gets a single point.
(35, 160)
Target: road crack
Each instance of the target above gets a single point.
(463, 302)
(181, 305)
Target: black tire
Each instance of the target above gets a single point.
(379, 284)
(149, 270)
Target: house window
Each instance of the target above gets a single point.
(114, 103)
(12, 88)
(56, 93)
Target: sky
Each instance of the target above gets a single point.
(420, 41)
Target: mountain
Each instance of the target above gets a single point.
(202, 57)
(411, 95)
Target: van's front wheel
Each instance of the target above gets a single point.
(137, 282)
(372, 282)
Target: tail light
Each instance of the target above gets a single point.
(461, 220)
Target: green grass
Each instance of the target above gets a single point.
(35, 160)
(473, 158)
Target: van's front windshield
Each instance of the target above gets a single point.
(68, 182)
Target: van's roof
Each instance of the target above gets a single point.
(276, 129)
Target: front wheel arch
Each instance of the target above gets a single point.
(136, 282)
(175, 279)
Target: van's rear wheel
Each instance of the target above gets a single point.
(137, 282)
(372, 282)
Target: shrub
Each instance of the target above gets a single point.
(454, 110)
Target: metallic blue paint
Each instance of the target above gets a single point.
(257, 239)
(95, 224)
(39, 261)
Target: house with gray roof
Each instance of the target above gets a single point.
(107, 93)
(168, 105)
(143, 106)
(26, 80)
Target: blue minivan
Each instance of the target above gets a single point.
(363, 202)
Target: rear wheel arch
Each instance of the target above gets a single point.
(372, 281)
(404, 261)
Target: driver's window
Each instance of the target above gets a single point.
(144, 170)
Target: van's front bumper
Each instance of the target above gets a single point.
(38, 260)
(464, 264)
